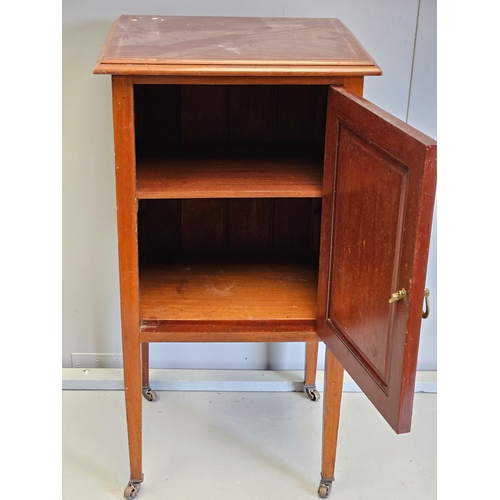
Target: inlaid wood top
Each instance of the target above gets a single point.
(221, 45)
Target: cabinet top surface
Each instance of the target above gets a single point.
(163, 45)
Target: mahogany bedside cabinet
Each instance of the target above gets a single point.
(261, 198)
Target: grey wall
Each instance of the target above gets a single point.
(399, 34)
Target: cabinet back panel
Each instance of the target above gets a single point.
(202, 225)
(252, 113)
(301, 113)
(249, 225)
(204, 112)
(293, 226)
(271, 228)
(167, 114)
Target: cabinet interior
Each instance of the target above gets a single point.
(229, 181)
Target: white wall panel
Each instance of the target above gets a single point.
(91, 319)
(386, 29)
(422, 114)
(423, 95)
(92, 10)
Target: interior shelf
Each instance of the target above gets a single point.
(232, 171)
(229, 291)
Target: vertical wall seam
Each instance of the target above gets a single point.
(413, 62)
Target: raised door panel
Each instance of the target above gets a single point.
(379, 190)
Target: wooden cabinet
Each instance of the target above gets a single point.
(261, 198)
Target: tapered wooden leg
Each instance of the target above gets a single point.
(123, 124)
(147, 392)
(145, 364)
(310, 371)
(133, 403)
(334, 375)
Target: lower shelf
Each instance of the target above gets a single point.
(230, 299)
(172, 331)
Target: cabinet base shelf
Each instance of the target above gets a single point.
(229, 331)
(198, 296)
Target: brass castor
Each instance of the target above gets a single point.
(132, 489)
(311, 392)
(149, 394)
(324, 488)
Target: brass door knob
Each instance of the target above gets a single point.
(400, 294)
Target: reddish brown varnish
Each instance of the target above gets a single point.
(260, 198)
(226, 177)
(145, 45)
(380, 177)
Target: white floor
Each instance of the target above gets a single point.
(244, 446)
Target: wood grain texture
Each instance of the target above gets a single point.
(196, 141)
(202, 226)
(123, 123)
(248, 74)
(221, 45)
(354, 84)
(217, 122)
(204, 112)
(332, 397)
(145, 364)
(249, 226)
(311, 363)
(229, 331)
(251, 78)
(265, 228)
(377, 208)
(199, 291)
(225, 177)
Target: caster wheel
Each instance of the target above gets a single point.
(312, 394)
(323, 491)
(149, 394)
(131, 491)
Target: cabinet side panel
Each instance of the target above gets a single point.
(157, 111)
(158, 226)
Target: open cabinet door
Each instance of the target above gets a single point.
(379, 187)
